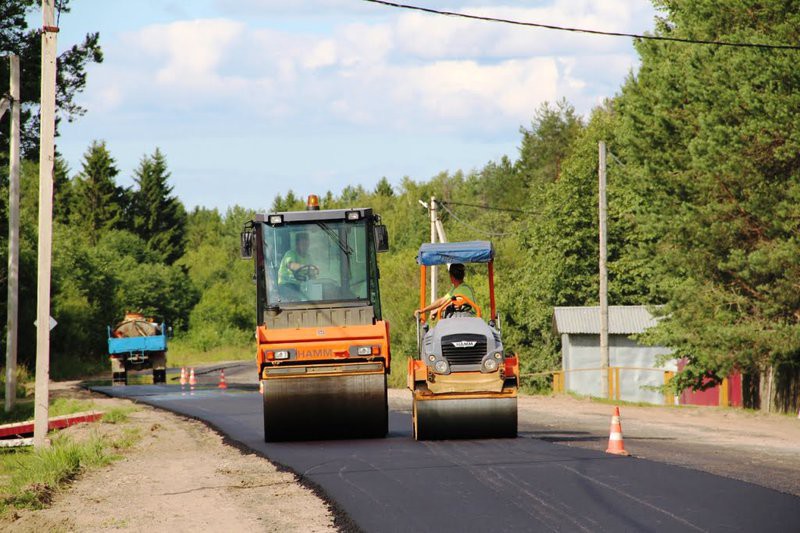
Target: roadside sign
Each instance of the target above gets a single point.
(53, 323)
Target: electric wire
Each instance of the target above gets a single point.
(475, 229)
(488, 207)
(763, 46)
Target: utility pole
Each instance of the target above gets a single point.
(45, 251)
(603, 274)
(432, 211)
(13, 241)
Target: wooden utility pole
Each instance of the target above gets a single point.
(603, 274)
(46, 165)
(432, 211)
(13, 241)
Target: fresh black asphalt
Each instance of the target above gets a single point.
(523, 484)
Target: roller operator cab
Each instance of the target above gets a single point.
(464, 382)
(322, 344)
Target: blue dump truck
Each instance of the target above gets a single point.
(137, 343)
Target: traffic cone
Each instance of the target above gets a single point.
(222, 384)
(192, 378)
(615, 442)
(183, 376)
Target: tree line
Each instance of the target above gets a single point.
(703, 190)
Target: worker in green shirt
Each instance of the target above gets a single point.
(294, 268)
(457, 272)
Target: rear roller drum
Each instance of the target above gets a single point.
(326, 407)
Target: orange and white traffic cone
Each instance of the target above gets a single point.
(222, 384)
(183, 376)
(192, 378)
(615, 442)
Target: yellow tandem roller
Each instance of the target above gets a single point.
(464, 384)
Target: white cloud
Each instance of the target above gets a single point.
(407, 71)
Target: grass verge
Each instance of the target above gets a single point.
(181, 353)
(30, 478)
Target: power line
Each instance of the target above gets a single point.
(488, 207)
(584, 30)
(475, 229)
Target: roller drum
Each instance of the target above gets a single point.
(467, 418)
(325, 407)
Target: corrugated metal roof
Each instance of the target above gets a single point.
(622, 319)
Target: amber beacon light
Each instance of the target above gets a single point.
(313, 203)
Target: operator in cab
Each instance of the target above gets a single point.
(295, 268)
(457, 273)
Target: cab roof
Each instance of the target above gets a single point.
(317, 215)
(455, 252)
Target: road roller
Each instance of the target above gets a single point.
(464, 383)
(322, 349)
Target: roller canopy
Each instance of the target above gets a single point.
(455, 252)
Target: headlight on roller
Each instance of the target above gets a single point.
(440, 366)
(364, 350)
(282, 354)
(490, 365)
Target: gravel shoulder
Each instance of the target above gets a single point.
(179, 477)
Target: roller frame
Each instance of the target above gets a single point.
(339, 406)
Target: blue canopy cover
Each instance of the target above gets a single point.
(455, 252)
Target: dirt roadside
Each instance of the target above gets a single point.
(179, 477)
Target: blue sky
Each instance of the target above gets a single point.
(249, 98)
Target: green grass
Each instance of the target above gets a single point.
(24, 382)
(29, 478)
(69, 368)
(118, 415)
(398, 379)
(181, 353)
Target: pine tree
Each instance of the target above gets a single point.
(158, 218)
(384, 188)
(98, 204)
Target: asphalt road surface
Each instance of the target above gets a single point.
(523, 484)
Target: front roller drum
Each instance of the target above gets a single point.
(465, 418)
(325, 407)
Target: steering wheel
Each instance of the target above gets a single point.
(457, 301)
(306, 272)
